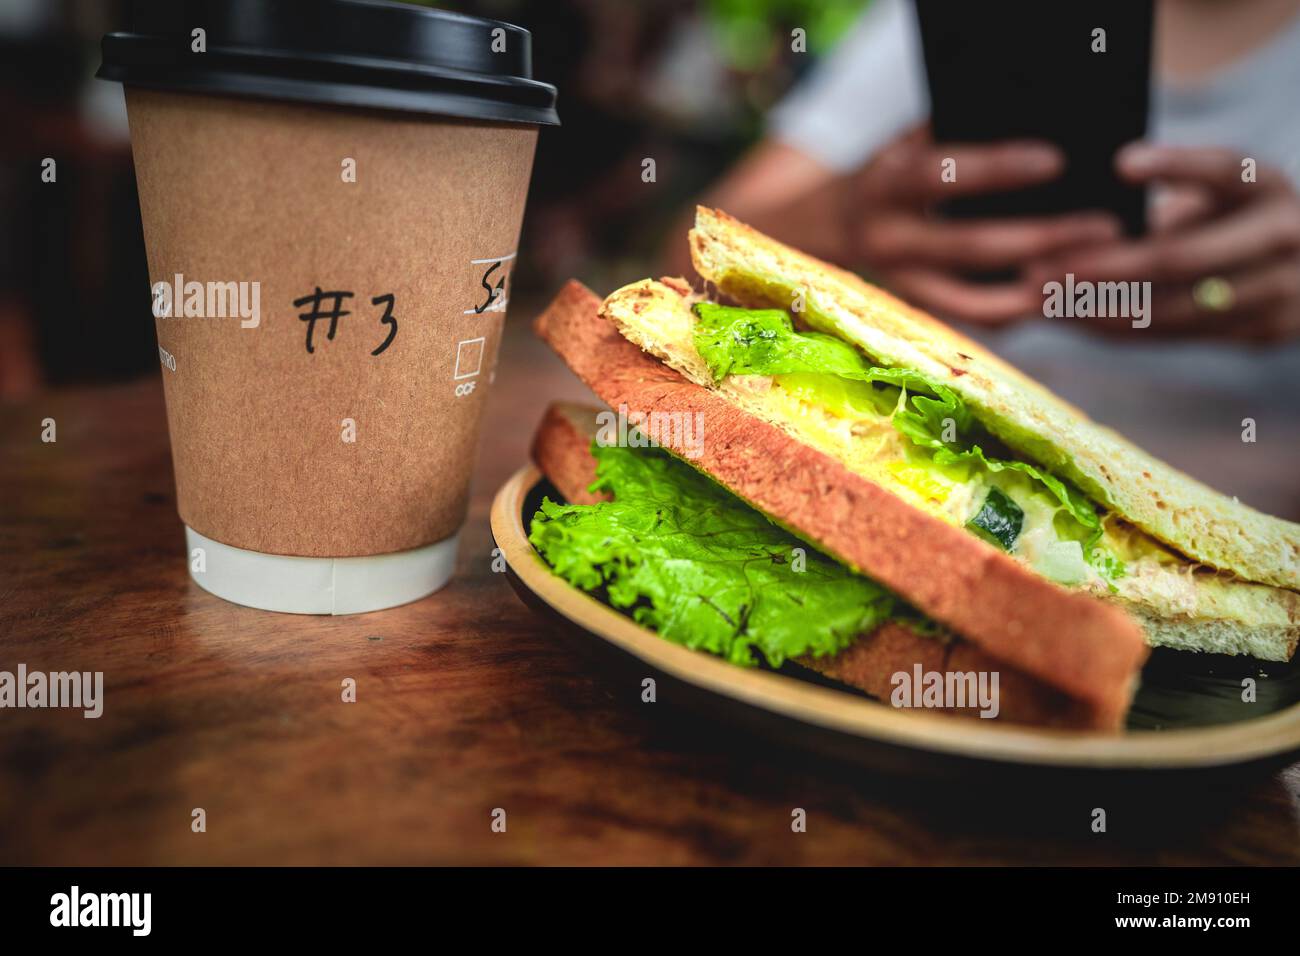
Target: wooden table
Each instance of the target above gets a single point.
(466, 702)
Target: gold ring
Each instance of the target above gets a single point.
(1214, 294)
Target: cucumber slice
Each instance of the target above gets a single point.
(999, 520)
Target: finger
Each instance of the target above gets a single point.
(980, 244)
(1222, 170)
(1257, 328)
(1268, 327)
(1252, 233)
(1266, 290)
(1176, 207)
(1263, 287)
(1160, 327)
(915, 171)
(959, 299)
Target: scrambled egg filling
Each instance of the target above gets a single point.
(844, 422)
(852, 422)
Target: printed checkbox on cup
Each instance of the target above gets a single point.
(469, 358)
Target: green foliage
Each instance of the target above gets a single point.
(747, 28)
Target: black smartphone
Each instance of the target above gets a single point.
(1075, 74)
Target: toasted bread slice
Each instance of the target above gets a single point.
(1179, 604)
(561, 449)
(1195, 520)
(1087, 650)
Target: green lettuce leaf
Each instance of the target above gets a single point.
(688, 559)
(736, 341)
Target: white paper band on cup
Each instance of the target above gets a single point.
(295, 585)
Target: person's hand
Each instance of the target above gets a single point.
(925, 259)
(1223, 255)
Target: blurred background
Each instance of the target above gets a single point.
(694, 84)
(684, 81)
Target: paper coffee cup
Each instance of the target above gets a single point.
(330, 274)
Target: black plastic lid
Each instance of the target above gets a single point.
(366, 53)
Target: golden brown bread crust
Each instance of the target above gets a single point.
(1071, 642)
(871, 661)
(562, 450)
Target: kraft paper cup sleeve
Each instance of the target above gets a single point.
(336, 453)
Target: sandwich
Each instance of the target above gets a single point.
(991, 511)
(687, 557)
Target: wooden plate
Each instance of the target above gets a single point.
(1188, 716)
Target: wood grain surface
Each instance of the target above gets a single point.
(466, 702)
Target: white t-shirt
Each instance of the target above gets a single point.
(1174, 398)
